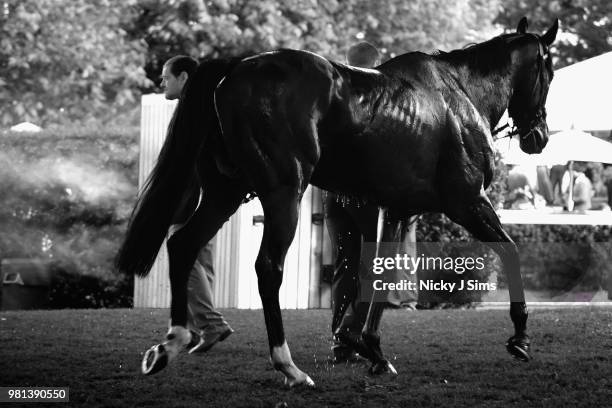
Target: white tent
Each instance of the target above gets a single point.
(580, 96)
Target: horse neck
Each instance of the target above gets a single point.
(486, 74)
(490, 93)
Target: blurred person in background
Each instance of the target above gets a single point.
(557, 173)
(607, 180)
(520, 191)
(583, 188)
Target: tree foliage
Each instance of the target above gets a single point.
(586, 25)
(398, 26)
(64, 60)
(80, 59)
(236, 27)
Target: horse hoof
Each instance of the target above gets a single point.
(382, 367)
(518, 347)
(154, 360)
(306, 382)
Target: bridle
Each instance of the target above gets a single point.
(541, 112)
(514, 130)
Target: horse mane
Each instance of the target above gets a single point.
(485, 57)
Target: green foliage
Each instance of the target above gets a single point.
(563, 257)
(236, 27)
(586, 26)
(230, 27)
(72, 289)
(88, 60)
(67, 195)
(398, 26)
(65, 60)
(460, 277)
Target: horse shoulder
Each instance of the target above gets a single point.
(469, 136)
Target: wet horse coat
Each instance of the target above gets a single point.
(413, 135)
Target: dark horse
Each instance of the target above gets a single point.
(413, 135)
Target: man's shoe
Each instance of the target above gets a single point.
(211, 337)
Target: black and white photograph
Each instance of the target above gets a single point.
(314, 203)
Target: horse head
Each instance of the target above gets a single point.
(533, 75)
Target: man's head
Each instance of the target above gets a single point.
(175, 73)
(363, 55)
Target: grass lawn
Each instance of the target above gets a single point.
(445, 358)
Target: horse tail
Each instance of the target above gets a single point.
(175, 173)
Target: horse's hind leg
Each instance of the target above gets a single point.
(218, 204)
(269, 110)
(279, 178)
(480, 219)
(281, 208)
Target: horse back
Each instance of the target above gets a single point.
(361, 131)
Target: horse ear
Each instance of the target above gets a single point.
(522, 26)
(551, 34)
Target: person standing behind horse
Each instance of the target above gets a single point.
(349, 225)
(207, 325)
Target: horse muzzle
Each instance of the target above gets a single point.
(533, 140)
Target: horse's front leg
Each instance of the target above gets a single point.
(183, 247)
(391, 233)
(280, 220)
(480, 219)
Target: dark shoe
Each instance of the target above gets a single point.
(211, 337)
(343, 350)
(196, 341)
(344, 354)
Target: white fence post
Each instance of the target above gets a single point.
(156, 111)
